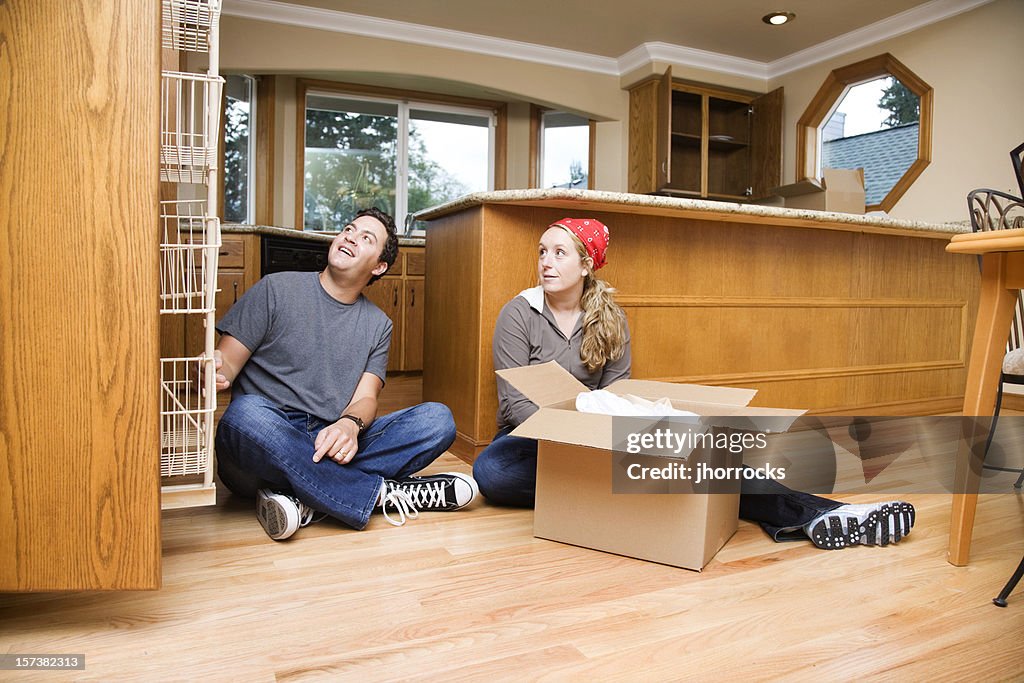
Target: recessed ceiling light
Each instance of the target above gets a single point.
(778, 18)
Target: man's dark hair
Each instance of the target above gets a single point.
(390, 251)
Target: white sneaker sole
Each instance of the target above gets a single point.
(278, 520)
(887, 523)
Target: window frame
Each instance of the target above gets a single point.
(537, 146)
(413, 105)
(253, 151)
(410, 98)
(832, 91)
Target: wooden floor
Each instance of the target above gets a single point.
(473, 595)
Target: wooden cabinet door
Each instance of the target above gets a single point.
(766, 143)
(387, 294)
(237, 270)
(231, 285)
(414, 300)
(663, 131)
(79, 379)
(642, 155)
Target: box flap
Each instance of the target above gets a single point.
(543, 384)
(767, 420)
(567, 426)
(691, 393)
(805, 186)
(844, 179)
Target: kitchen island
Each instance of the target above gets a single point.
(836, 313)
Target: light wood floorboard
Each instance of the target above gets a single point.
(474, 596)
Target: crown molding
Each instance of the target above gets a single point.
(690, 57)
(896, 25)
(373, 27)
(676, 55)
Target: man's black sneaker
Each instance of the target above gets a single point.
(443, 492)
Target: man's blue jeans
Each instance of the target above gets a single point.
(506, 472)
(259, 445)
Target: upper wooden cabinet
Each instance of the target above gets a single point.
(695, 140)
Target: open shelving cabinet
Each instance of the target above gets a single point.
(700, 141)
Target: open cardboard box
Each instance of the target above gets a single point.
(841, 190)
(575, 502)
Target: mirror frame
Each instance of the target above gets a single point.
(834, 89)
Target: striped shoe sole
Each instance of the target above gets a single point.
(884, 524)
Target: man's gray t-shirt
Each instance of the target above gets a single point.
(309, 350)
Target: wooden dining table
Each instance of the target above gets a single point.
(1002, 275)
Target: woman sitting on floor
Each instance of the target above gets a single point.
(572, 319)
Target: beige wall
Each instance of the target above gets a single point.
(972, 61)
(255, 47)
(249, 46)
(974, 64)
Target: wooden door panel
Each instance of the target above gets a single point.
(663, 131)
(414, 300)
(79, 379)
(766, 143)
(231, 285)
(387, 294)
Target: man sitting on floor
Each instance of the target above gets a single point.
(306, 354)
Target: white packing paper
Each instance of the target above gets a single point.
(606, 403)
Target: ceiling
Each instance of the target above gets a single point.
(611, 28)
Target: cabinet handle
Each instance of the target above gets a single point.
(412, 294)
(395, 299)
(234, 287)
(664, 167)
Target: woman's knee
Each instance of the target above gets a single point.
(485, 472)
(506, 476)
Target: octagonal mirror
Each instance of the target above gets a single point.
(874, 115)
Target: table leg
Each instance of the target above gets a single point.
(995, 310)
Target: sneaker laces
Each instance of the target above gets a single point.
(401, 502)
(427, 494)
(307, 515)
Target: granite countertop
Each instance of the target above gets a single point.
(621, 202)
(308, 235)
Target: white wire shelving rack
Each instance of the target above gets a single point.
(189, 126)
(190, 241)
(189, 248)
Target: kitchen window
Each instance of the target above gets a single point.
(561, 150)
(875, 114)
(399, 154)
(239, 149)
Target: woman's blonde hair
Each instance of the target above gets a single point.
(604, 322)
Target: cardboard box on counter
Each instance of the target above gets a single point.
(840, 190)
(575, 501)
